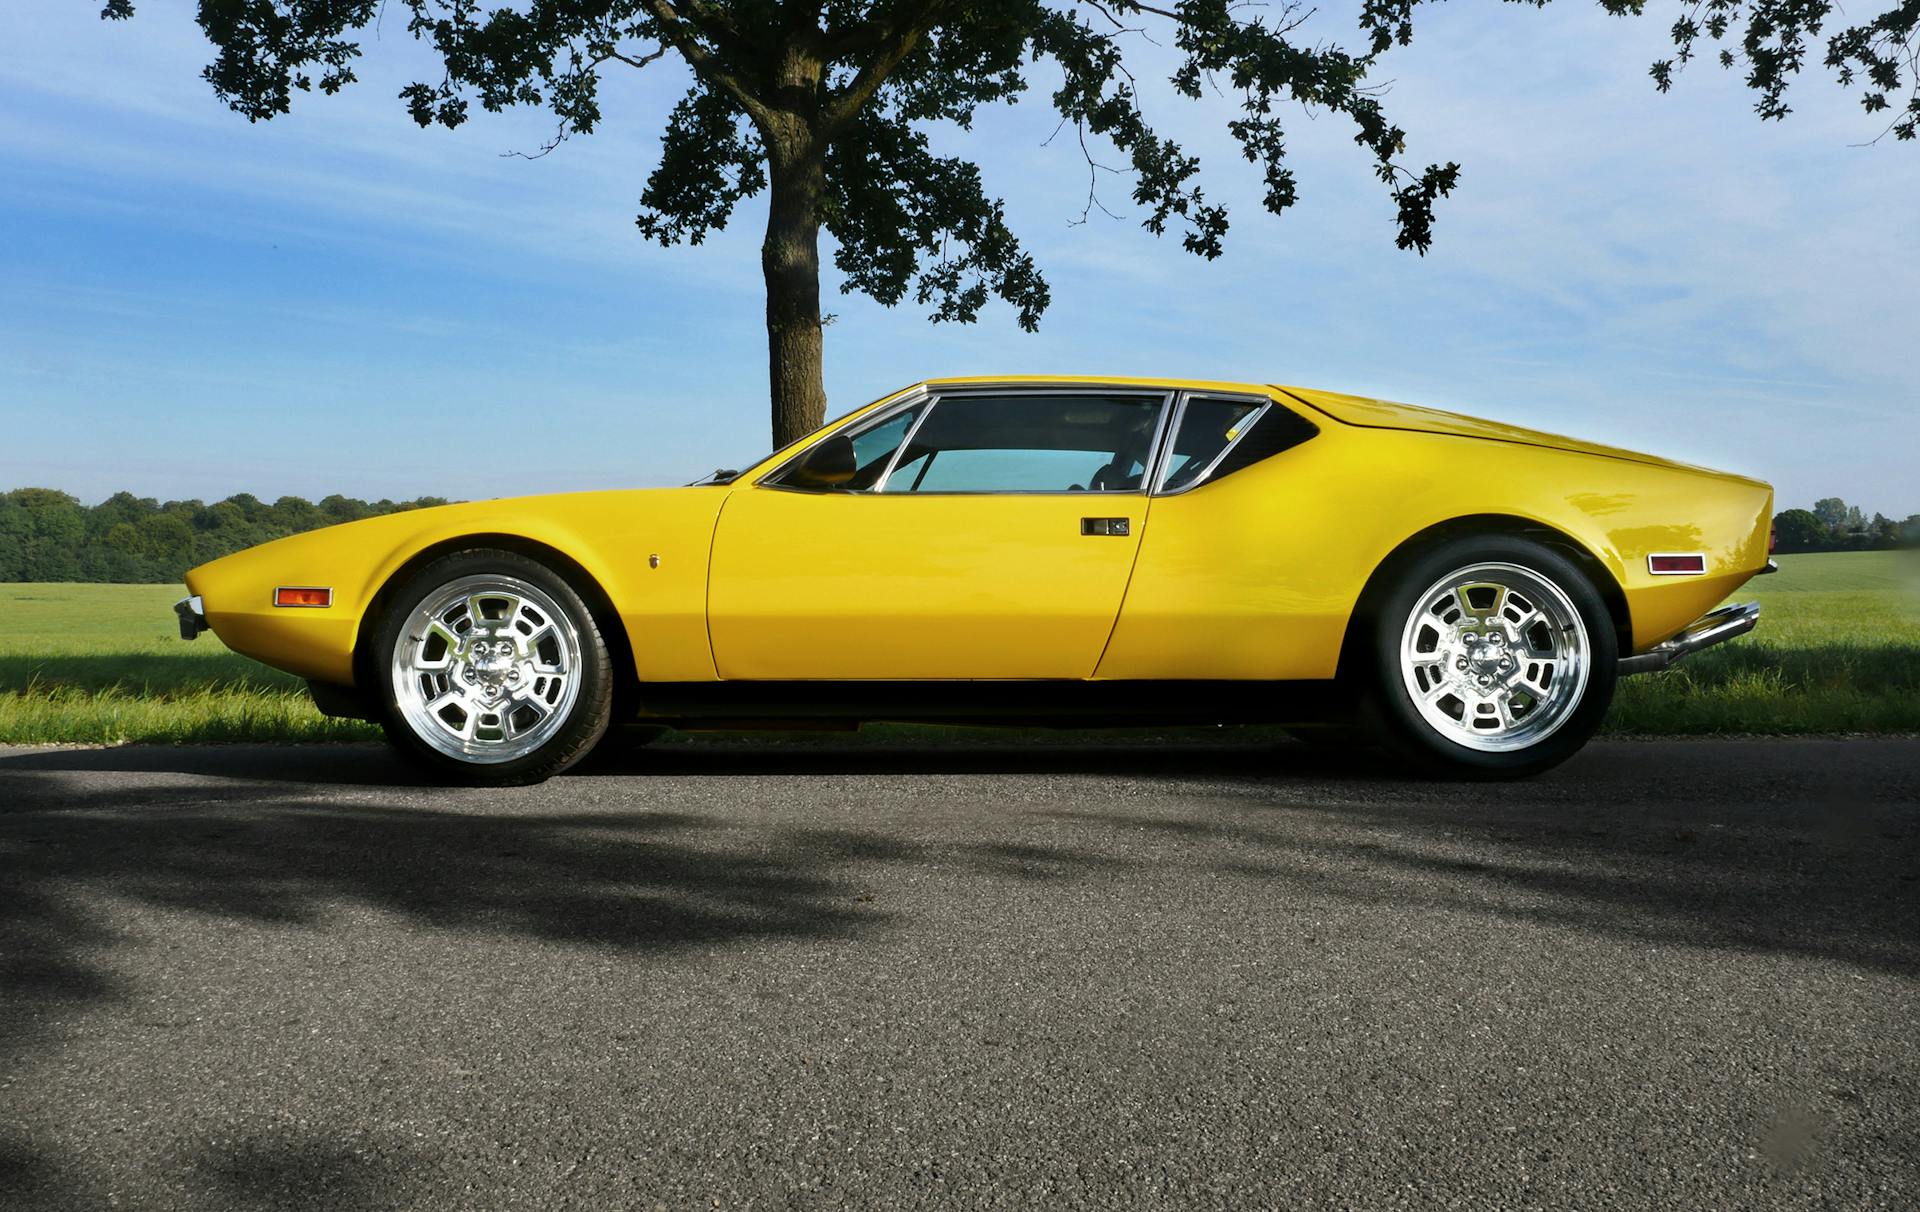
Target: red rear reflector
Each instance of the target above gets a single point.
(1692, 564)
(302, 595)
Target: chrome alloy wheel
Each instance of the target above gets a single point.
(1495, 657)
(487, 668)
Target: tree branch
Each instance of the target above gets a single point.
(601, 54)
(1118, 27)
(715, 20)
(629, 60)
(546, 147)
(679, 31)
(1094, 168)
(895, 38)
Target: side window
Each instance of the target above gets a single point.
(1207, 428)
(1030, 443)
(873, 449)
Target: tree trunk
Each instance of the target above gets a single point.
(790, 259)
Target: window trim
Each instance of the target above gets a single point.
(852, 427)
(906, 439)
(1166, 399)
(1263, 405)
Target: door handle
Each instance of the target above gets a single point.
(1117, 527)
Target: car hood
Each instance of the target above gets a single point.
(1386, 414)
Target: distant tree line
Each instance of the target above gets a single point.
(1834, 525)
(46, 535)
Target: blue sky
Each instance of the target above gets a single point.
(337, 301)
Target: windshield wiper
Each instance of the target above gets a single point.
(724, 475)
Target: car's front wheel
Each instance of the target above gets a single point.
(495, 671)
(1490, 657)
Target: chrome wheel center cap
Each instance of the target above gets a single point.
(490, 659)
(1484, 655)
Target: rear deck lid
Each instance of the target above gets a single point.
(1385, 414)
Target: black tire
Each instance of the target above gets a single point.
(1426, 741)
(577, 725)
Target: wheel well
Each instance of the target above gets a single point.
(1477, 525)
(605, 617)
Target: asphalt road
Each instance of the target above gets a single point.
(1126, 975)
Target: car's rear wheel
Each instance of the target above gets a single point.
(495, 671)
(1490, 657)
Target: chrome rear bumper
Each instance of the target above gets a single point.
(193, 616)
(1704, 632)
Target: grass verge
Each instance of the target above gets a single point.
(67, 715)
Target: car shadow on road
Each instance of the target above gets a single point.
(349, 765)
(1252, 753)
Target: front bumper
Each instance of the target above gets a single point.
(1704, 632)
(193, 616)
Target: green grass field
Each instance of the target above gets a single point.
(105, 663)
(1837, 651)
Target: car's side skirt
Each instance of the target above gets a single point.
(842, 704)
(1065, 703)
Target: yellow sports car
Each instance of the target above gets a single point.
(1036, 550)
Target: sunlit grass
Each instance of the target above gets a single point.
(114, 716)
(1837, 650)
(105, 664)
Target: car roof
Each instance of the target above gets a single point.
(1258, 389)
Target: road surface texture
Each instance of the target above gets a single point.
(1125, 975)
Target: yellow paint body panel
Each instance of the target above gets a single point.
(898, 586)
(1256, 575)
(1385, 414)
(1252, 576)
(609, 534)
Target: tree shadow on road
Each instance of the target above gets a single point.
(1787, 853)
(635, 881)
(1831, 878)
(1800, 851)
(289, 834)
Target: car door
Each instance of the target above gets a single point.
(986, 533)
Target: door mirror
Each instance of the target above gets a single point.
(829, 464)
